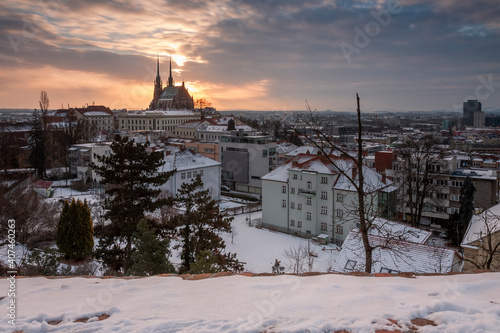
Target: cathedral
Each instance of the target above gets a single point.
(171, 97)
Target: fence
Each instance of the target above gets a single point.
(244, 209)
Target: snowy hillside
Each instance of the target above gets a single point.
(327, 303)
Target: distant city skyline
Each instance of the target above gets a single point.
(253, 55)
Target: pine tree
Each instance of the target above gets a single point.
(75, 232)
(131, 179)
(151, 253)
(466, 207)
(37, 156)
(62, 239)
(199, 227)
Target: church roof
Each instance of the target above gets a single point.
(169, 93)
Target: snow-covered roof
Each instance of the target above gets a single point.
(398, 231)
(162, 113)
(280, 174)
(373, 181)
(193, 123)
(223, 128)
(186, 160)
(285, 147)
(303, 150)
(488, 222)
(394, 256)
(96, 113)
(476, 173)
(320, 164)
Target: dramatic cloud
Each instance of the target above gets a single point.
(258, 54)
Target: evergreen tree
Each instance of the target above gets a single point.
(131, 179)
(458, 222)
(199, 227)
(75, 232)
(151, 253)
(37, 145)
(466, 207)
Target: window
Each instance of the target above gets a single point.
(283, 203)
(308, 201)
(283, 189)
(292, 205)
(183, 175)
(195, 173)
(188, 174)
(324, 210)
(309, 185)
(299, 224)
(264, 153)
(455, 197)
(442, 196)
(324, 226)
(350, 265)
(292, 223)
(340, 213)
(292, 190)
(339, 229)
(324, 180)
(340, 197)
(299, 206)
(294, 176)
(201, 172)
(324, 195)
(308, 216)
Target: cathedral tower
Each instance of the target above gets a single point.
(170, 79)
(158, 86)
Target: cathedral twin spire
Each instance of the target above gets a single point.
(158, 79)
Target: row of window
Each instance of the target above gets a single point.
(339, 229)
(162, 128)
(150, 121)
(188, 174)
(323, 195)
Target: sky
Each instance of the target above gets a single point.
(399, 55)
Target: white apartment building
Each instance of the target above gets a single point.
(245, 159)
(308, 196)
(155, 120)
(81, 155)
(188, 165)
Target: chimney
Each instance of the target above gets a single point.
(354, 171)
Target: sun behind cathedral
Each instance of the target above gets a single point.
(171, 97)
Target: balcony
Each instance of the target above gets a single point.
(307, 192)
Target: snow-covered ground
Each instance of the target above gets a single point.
(259, 248)
(456, 303)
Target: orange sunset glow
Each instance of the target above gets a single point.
(253, 55)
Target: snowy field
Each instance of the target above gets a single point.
(327, 303)
(259, 248)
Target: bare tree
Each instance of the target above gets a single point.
(311, 255)
(311, 128)
(35, 224)
(422, 178)
(44, 107)
(297, 257)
